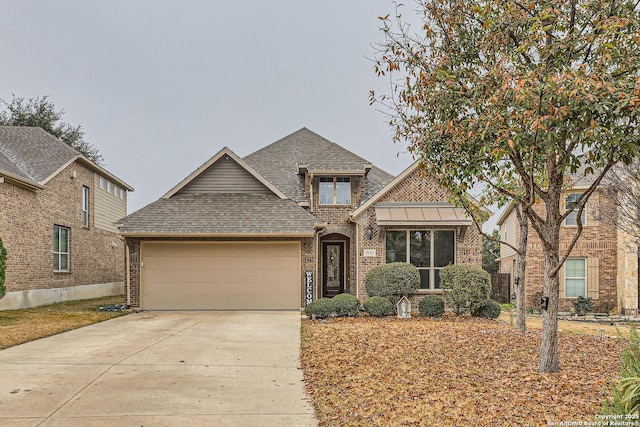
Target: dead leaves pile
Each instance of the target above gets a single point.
(450, 372)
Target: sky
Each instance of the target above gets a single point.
(161, 86)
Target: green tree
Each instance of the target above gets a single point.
(491, 252)
(3, 266)
(518, 95)
(41, 112)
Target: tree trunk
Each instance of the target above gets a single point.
(551, 288)
(521, 265)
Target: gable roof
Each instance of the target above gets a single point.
(279, 163)
(220, 214)
(222, 154)
(31, 156)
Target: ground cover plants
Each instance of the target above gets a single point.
(451, 370)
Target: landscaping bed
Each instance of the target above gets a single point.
(20, 326)
(450, 371)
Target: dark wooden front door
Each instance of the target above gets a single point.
(332, 268)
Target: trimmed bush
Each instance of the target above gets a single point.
(465, 288)
(322, 308)
(489, 310)
(3, 266)
(378, 306)
(583, 306)
(392, 281)
(346, 305)
(431, 306)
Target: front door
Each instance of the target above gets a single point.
(332, 268)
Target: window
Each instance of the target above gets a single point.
(429, 250)
(575, 277)
(102, 183)
(85, 206)
(60, 248)
(122, 194)
(335, 191)
(572, 218)
(108, 186)
(115, 190)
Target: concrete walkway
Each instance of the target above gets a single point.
(160, 369)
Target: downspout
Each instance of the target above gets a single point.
(128, 276)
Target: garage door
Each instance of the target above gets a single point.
(220, 276)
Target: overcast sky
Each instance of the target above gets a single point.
(160, 86)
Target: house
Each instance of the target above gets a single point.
(300, 219)
(603, 264)
(57, 215)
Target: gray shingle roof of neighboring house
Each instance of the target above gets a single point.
(220, 214)
(33, 155)
(278, 162)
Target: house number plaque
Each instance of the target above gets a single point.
(309, 287)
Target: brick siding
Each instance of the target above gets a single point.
(27, 219)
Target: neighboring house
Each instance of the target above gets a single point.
(297, 220)
(57, 215)
(603, 264)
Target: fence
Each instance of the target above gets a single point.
(500, 287)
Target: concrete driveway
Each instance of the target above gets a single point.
(160, 369)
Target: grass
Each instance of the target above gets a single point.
(20, 326)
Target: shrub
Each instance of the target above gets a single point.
(489, 310)
(465, 288)
(378, 306)
(622, 398)
(346, 305)
(392, 281)
(583, 305)
(322, 308)
(431, 306)
(3, 266)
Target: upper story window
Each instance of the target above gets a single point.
(85, 206)
(570, 203)
(101, 183)
(60, 248)
(335, 191)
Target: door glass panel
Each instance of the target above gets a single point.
(333, 263)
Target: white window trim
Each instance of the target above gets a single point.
(567, 277)
(574, 214)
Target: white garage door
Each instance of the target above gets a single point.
(220, 276)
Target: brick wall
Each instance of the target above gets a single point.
(26, 227)
(598, 240)
(416, 187)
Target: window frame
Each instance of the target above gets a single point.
(583, 278)
(571, 220)
(334, 189)
(85, 206)
(432, 268)
(58, 254)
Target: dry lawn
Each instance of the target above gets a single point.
(451, 372)
(20, 326)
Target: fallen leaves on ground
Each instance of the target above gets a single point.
(20, 326)
(450, 372)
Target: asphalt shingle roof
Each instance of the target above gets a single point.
(31, 153)
(278, 162)
(220, 213)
